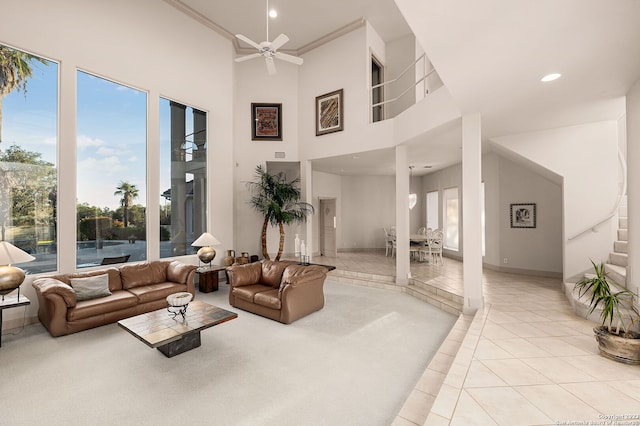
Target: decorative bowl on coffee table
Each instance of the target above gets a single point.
(178, 303)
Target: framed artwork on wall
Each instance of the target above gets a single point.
(329, 113)
(523, 215)
(266, 122)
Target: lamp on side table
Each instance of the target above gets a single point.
(206, 253)
(10, 276)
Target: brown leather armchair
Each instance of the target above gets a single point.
(281, 291)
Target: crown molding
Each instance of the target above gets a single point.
(197, 16)
(352, 26)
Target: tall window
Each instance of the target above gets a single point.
(183, 177)
(111, 155)
(28, 144)
(433, 221)
(377, 93)
(451, 218)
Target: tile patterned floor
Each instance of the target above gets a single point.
(525, 359)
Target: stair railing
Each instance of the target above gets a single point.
(623, 166)
(420, 80)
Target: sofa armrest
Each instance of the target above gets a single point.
(301, 293)
(182, 273)
(50, 287)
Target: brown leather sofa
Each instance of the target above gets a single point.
(135, 289)
(281, 291)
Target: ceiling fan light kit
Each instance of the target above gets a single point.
(268, 49)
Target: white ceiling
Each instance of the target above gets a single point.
(490, 54)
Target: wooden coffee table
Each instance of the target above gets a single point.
(173, 336)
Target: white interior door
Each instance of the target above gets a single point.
(328, 224)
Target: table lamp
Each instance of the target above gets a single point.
(206, 253)
(10, 276)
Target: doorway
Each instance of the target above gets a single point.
(328, 224)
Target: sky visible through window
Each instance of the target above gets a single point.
(111, 132)
(111, 140)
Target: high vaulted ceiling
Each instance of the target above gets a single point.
(490, 54)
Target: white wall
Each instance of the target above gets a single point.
(368, 205)
(537, 250)
(400, 54)
(633, 192)
(162, 56)
(586, 157)
(254, 85)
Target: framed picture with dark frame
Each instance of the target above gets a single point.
(523, 215)
(329, 113)
(266, 122)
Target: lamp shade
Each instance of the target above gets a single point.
(10, 254)
(205, 240)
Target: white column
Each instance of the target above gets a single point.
(471, 212)
(67, 189)
(402, 215)
(633, 186)
(306, 174)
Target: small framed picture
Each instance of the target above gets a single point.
(523, 215)
(266, 122)
(329, 113)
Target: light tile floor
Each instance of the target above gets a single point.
(526, 359)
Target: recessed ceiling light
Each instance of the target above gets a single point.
(273, 13)
(551, 77)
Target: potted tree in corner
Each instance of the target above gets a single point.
(615, 338)
(279, 203)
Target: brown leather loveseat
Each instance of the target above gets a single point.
(134, 289)
(281, 291)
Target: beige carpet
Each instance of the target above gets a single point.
(353, 363)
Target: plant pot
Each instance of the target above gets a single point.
(622, 349)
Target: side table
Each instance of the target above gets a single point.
(11, 302)
(208, 278)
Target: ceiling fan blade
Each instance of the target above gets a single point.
(248, 41)
(279, 41)
(289, 58)
(271, 67)
(247, 57)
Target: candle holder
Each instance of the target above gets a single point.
(304, 259)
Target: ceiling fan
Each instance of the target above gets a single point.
(269, 49)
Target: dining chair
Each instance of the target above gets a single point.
(389, 243)
(435, 246)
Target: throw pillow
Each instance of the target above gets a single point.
(91, 287)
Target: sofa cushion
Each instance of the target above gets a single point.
(268, 298)
(243, 275)
(115, 283)
(178, 272)
(104, 305)
(140, 274)
(248, 292)
(91, 287)
(272, 272)
(151, 292)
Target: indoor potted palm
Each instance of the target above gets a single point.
(278, 200)
(615, 338)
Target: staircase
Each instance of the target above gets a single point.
(615, 267)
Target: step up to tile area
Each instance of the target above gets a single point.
(623, 223)
(623, 234)
(361, 278)
(620, 246)
(442, 299)
(616, 273)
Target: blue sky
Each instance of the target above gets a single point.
(111, 132)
